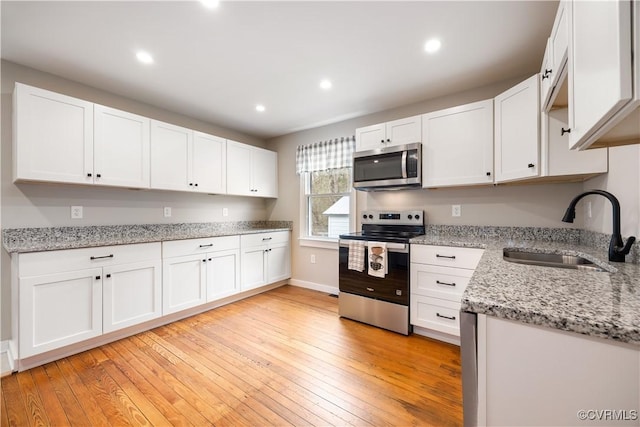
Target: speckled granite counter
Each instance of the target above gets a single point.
(599, 304)
(55, 238)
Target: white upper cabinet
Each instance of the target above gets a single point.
(121, 148)
(397, 132)
(600, 68)
(52, 137)
(554, 69)
(185, 160)
(517, 132)
(209, 163)
(254, 171)
(170, 149)
(457, 145)
(558, 160)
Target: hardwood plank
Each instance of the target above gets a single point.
(283, 357)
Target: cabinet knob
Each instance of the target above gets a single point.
(488, 173)
(108, 276)
(546, 74)
(204, 260)
(209, 259)
(97, 277)
(382, 141)
(196, 184)
(563, 131)
(191, 184)
(98, 175)
(388, 140)
(531, 165)
(89, 174)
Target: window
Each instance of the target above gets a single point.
(325, 187)
(327, 202)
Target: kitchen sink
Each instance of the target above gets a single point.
(551, 260)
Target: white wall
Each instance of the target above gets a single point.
(623, 181)
(514, 205)
(44, 205)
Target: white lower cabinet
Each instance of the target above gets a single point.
(439, 276)
(68, 296)
(537, 376)
(197, 271)
(266, 258)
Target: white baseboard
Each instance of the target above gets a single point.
(314, 286)
(6, 359)
(451, 339)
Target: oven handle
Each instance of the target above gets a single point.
(402, 248)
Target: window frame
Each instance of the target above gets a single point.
(305, 238)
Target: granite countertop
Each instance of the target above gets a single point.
(17, 240)
(599, 304)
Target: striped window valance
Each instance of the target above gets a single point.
(320, 156)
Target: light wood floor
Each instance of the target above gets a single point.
(280, 358)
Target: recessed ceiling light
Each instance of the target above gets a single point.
(432, 46)
(260, 108)
(210, 4)
(144, 57)
(326, 84)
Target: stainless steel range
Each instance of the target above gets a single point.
(364, 295)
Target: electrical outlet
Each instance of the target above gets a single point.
(455, 210)
(167, 212)
(225, 212)
(313, 258)
(76, 212)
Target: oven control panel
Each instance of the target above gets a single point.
(393, 217)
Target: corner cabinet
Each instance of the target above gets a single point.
(457, 146)
(58, 138)
(265, 258)
(396, 132)
(253, 171)
(517, 132)
(69, 296)
(187, 160)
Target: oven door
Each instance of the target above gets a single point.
(393, 288)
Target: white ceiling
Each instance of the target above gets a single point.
(216, 65)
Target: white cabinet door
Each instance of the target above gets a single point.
(59, 309)
(223, 274)
(600, 73)
(264, 168)
(170, 156)
(52, 137)
(183, 283)
(457, 146)
(253, 264)
(371, 137)
(209, 160)
(517, 132)
(560, 161)
(238, 169)
(278, 262)
(121, 148)
(132, 294)
(404, 131)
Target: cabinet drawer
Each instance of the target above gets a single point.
(38, 263)
(257, 239)
(199, 246)
(446, 256)
(439, 282)
(437, 314)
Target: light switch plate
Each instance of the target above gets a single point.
(456, 210)
(225, 212)
(167, 212)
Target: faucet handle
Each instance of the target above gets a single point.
(627, 246)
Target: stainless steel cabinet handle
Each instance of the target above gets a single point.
(445, 283)
(371, 289)
(101, 257)
(446, 317)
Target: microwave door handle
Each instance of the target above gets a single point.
(404, 164)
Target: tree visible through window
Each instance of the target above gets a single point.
(327, 194)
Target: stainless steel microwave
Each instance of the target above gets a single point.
(389, 168)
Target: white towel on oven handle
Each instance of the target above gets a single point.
(377, 262)
(356, 255)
